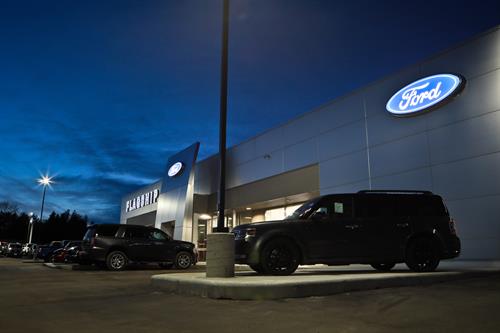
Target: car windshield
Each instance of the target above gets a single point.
(303, 211)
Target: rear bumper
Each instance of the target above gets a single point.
(452, 248)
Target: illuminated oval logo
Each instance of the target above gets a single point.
(175, 169)
(424, 94)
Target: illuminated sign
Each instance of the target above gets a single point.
(424, 94)
(142, 200)
(175, 169)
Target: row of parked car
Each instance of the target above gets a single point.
(65, 251)
(378, 228)
(112, 246)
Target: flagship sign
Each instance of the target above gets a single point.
(175, 169)
(142, 200)
(424, 94)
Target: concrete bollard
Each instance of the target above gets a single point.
(220, 254)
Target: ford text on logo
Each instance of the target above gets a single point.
(424, 93)
(175, 169)
(142, 200)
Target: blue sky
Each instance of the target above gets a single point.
(100, 93)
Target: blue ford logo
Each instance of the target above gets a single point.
(424, 94)
(175, 169)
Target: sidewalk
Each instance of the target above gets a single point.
(317, 280)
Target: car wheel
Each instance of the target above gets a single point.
(257, 268)
(383, 267)
(422, 255)
(183, 260)
(279, 257)
(116, 261)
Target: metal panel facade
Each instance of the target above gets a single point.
(453, 150)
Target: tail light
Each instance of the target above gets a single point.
(453, 228)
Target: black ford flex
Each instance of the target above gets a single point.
(379, 228)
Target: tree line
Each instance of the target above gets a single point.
(14, 225)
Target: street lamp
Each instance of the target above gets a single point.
(44, 181)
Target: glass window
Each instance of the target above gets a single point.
(156, 234)
(136, 233)
(107, 230)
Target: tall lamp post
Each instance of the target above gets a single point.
(223, 115)
(44, 181)
(220, 244)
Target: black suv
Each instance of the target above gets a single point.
(380, 228)
(115, 245)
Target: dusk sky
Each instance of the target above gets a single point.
(100, 93)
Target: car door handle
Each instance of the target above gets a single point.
(402, 225)
(352, 226)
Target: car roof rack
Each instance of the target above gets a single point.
(395, 191)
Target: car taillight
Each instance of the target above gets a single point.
(453, 228)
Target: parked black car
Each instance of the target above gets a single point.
(45, 251)
(115, 245)
(380, 228)
(14, 249)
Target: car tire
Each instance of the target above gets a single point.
(183, 260)
(279, 257)
(422, 254)
(116, 261)
(385, 267)
(257, 268)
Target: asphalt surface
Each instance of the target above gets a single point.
(36, 298)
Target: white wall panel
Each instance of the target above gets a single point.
(398, 156)
(301, 154)
(420, 179)
(341, 141)
(241, 153)
(256, 169)
(343, 170)
(269, 141)
(468, 178)
(473, 137)
(347, 188)
(385, 127)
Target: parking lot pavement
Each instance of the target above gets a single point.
(39, 299)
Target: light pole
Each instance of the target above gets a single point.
(30, 227)
(44, 181)
(223, 115)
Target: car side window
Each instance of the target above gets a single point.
(334, 208)
(322, 212)
(157, 235)
(137, 233)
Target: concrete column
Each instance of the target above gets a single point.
(220, 254)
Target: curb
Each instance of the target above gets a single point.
(267, 288)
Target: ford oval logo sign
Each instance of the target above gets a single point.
(424, 94)
(175, 169)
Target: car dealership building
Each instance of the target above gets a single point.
(433, 126)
